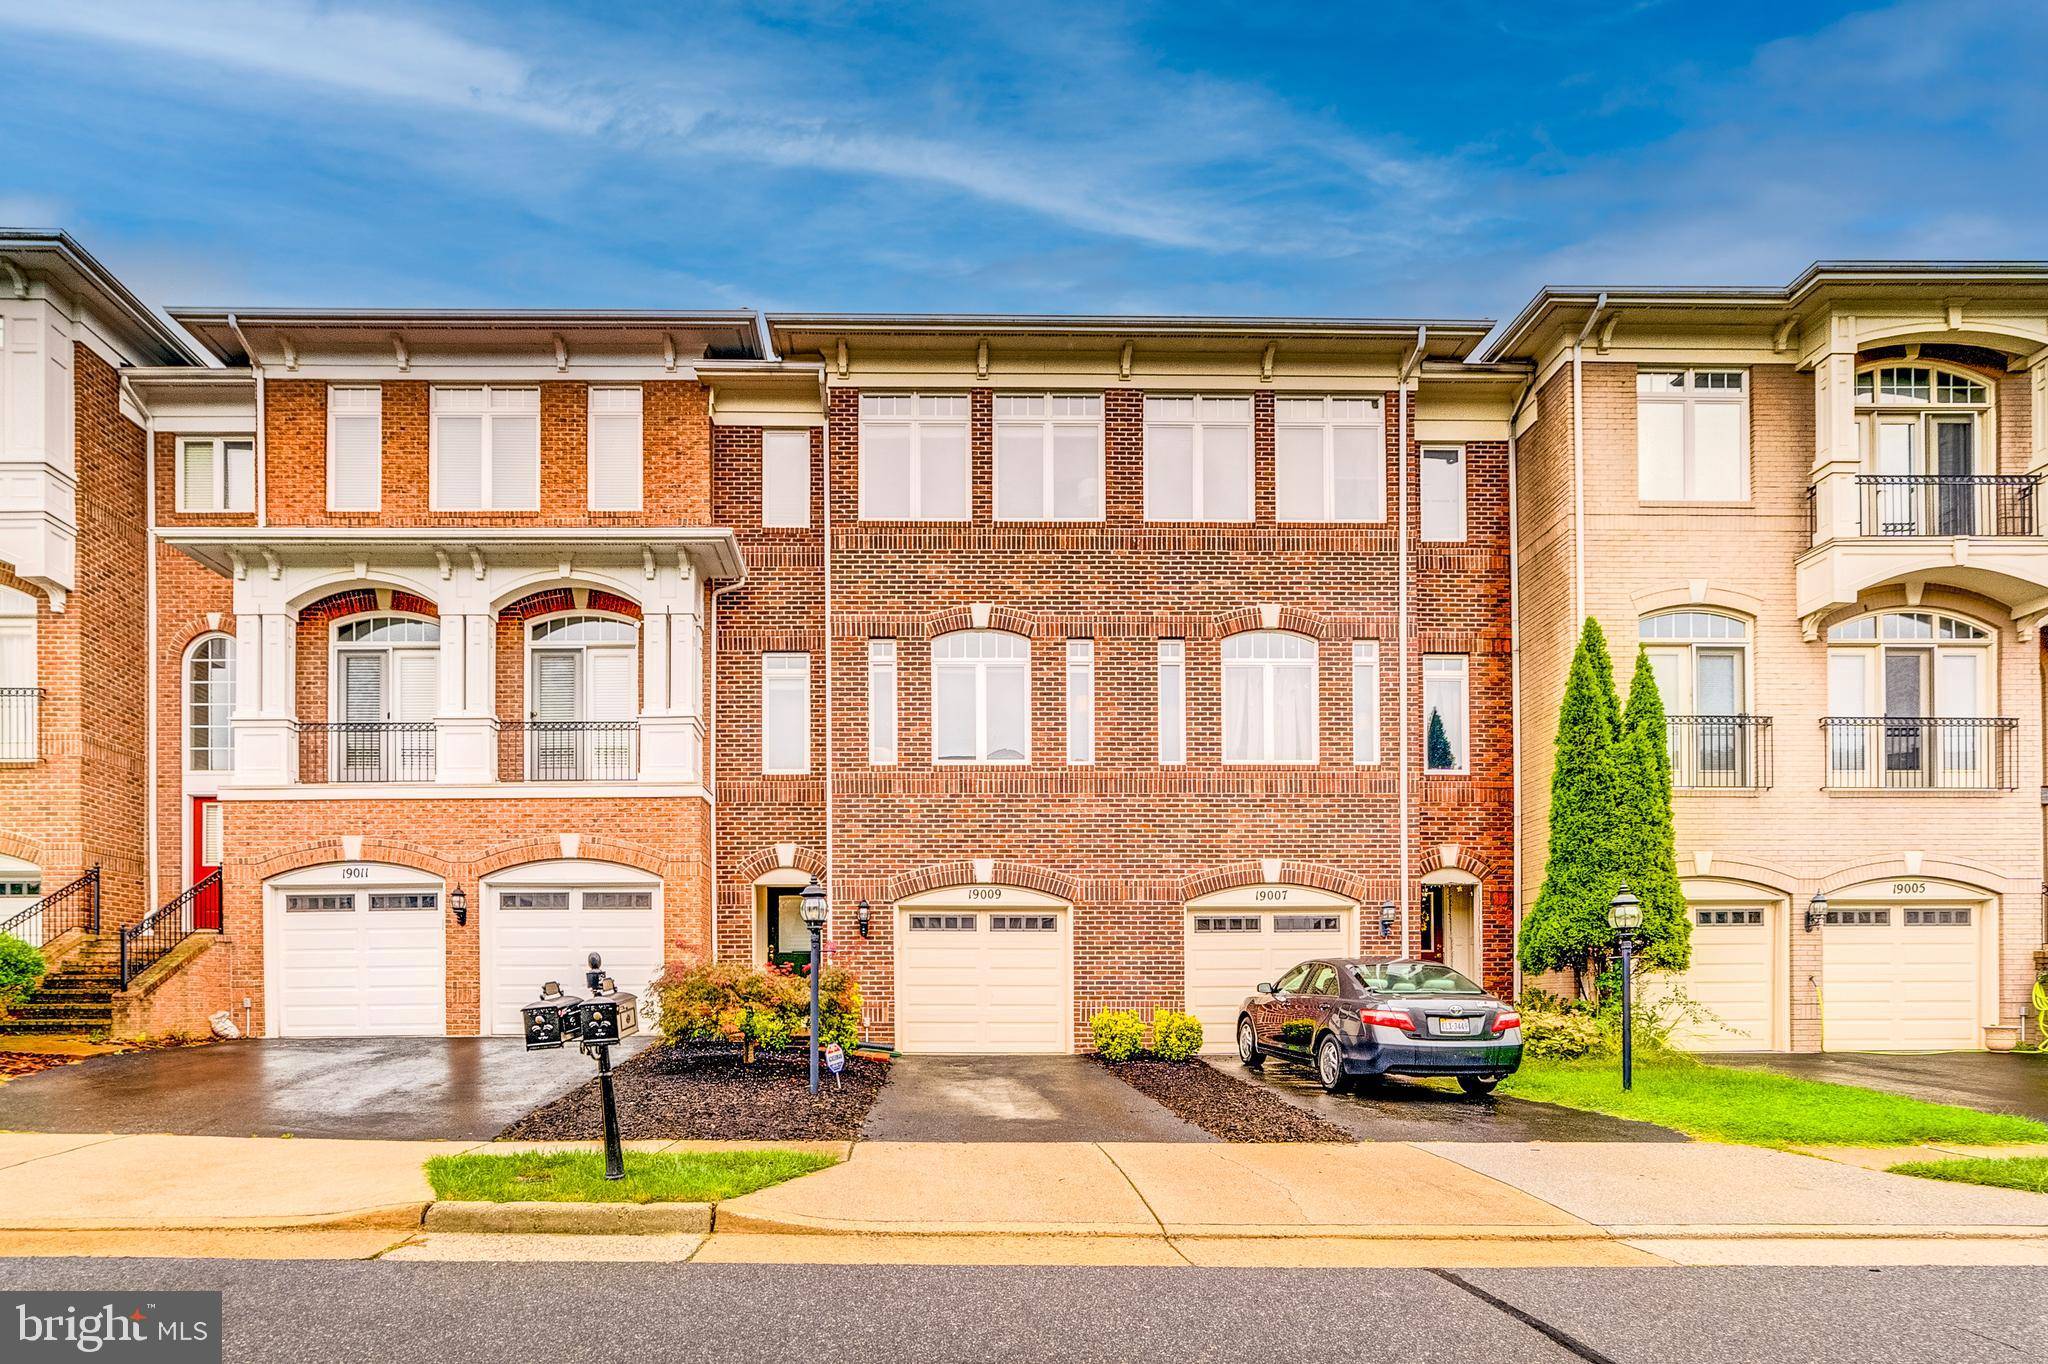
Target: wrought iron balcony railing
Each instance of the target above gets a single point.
(1720, 752)
(366, 751)
(1892, 753)
(1948, 504)
(579, 750)
(21, 710)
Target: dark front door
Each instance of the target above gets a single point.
(789, 942)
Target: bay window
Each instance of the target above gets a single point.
(913, 457)
(1269, 698)
(1330, 459)
(1692, 435)
(981, 697)
(1048, 457)
(1198, 459)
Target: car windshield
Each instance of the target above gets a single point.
(1413, 978)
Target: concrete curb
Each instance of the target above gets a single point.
(396, 1215)
(579, 1219)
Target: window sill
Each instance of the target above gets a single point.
(1914, 792)
(1688, 504)
(981, 762)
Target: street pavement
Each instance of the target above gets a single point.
(390, 1313)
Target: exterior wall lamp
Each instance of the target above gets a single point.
(867, 917)
(1816, 912)
(458, 900)
(1386, 917)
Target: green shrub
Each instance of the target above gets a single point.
(756, 1010)
(1560, 1036)
(21, 971)
(1176, 1036)
(1118, 1034)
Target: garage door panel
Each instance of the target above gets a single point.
(1892, 982)
(528, 947)
(1230, 951)
(973, 987)
(1731, 977)
(345, 970)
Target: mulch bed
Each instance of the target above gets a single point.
(676, 1092)
(1222, 1105)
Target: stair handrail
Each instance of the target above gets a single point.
(164, 928)
(87, 885)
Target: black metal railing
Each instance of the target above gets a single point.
(76, 906)
(1890, 753)
(196, 910)
(1719, 752)
(366, 751)
(579, 750)
(1948, 504)
(21, 710)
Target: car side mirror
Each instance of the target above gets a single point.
(1265, 987)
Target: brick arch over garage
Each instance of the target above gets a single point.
(588, 848)
(945, 875)
(1234, 875)
(761, 861)
(27, 849)
(323, 851)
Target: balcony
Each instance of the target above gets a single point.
(1720, 752)
(1993, 505)
(21, 710)
(367, 751)
(575, 750)
(1887, 753)
(1978, 532)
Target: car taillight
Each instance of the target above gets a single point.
(1387, 1018)
(1505, 1019)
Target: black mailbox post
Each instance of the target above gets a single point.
(609, 1016)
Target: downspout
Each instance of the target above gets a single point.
(262, 444)
(1409, 368)
(825, 489)
(150, 860)
(711, 735)
(1579, 466)
(1515, 677)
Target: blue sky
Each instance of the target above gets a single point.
(1438, 159)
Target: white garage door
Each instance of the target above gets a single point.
(357, 961)
(1230, 951)
(1895, 978)
(1731, 977)
(972, 980)
(541, 923)
(21, 886)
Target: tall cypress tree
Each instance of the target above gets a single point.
(1567, 927)
(1646, 852)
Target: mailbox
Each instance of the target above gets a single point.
(552, 1019)
(610, 1015)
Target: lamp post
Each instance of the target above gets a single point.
(1625, 916)
(815, 907)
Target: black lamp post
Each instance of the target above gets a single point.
(815, 908)
(1625, 916)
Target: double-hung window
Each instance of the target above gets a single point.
(1365, 701)
(785, 712)
(786, 478)
(1198, 459)
(355, 448)
(486, 449)
(882, 702)
(1048, 457)
(1445, 718)
(615, 449)
(913, 457)
(1443, 492)
(1173, 702)
(1080, 701)
(1692, 435)
(1269, 698)
(216, 473)
(981, 697)
(1330, 459)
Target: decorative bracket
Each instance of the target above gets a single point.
(1266, 361)
(981, 358)
(561, 353)
(400, 353)
(1123, 363)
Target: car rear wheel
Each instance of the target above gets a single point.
(1248, 1044)
(1478, 1086)
(1330, 1065)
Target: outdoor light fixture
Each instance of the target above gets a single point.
(1816, 912)
(458, 900)
(1625, 916)
(1386, 917)
(816, 905)
(867, 917)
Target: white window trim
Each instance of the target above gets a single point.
(1690, 401)
(802, 436)
(1046, 426)
(1328, 426)
(185, 710)
(1464, 467)
(916, 423)
(1080, 660)
(1173, 658)
(883, 658)
(785, 667)
(485, 469)
(590, 415)
(1873, 651)
(1269, 694)
(378, 481)
(1878, 410)
(1197, 471)
(337, 699)
(980, 669)
(1365, 727)
(220, 475)
(1464, 767)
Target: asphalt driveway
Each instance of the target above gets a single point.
(1398, 1110)
(1996, 1082)
(398, 1088)
(1016, 1098)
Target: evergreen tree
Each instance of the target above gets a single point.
(1643, 802)
(1441, 759)
(1567, 926)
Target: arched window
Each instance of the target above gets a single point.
(1269, 698)
(209, 705)
(1923, 434)
(1909, 696)
(384, 692)
(1701, 660)
(20, 700)
(981, 697)
(582, 698)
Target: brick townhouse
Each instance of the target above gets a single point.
(385, 662)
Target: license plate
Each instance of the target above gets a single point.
(1462, 1026)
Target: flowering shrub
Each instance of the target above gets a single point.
(755, 1009)
(21, 971)
(1176, 1036)
(1119, 1034)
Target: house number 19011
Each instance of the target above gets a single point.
(355, 873)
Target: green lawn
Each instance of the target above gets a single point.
(2013, 1172)
(1761, 1108)
(651, 1177)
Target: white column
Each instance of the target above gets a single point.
(1836, 460)
(265, 723)
(2038, 462)
(671, 718)
(466, 729)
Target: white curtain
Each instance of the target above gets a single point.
(1244, 710)
(1009, 711)
(1294, 714)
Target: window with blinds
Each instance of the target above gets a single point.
(216, 474)
(486, 449)
(786, 478)
(355, 449)
(616, 447)
(785, 712)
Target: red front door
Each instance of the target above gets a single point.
(206, 856)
